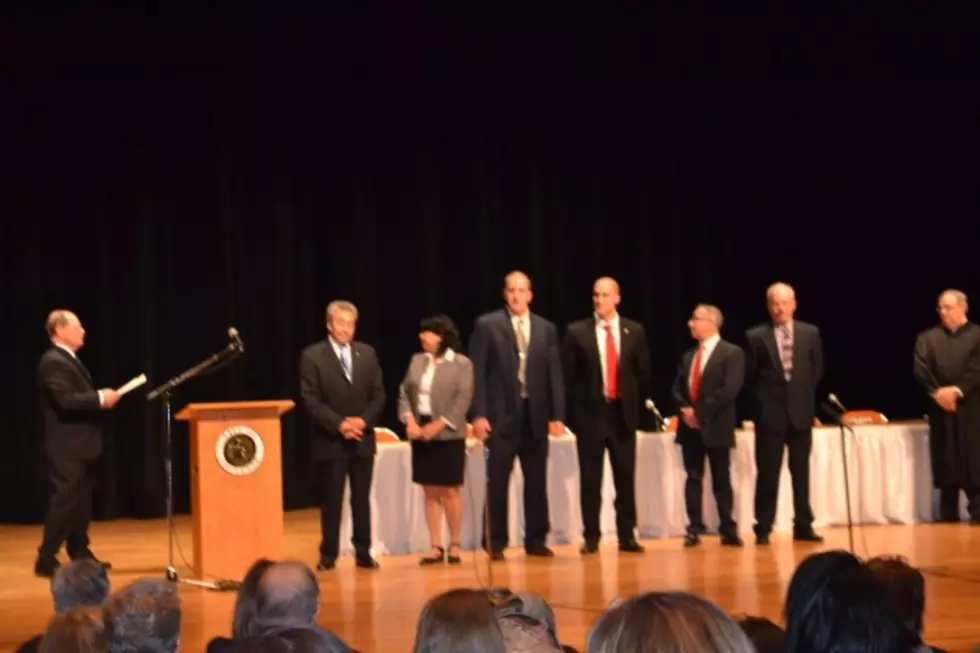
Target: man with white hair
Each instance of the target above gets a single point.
(784, 364)
(947, 368)
(342, 390)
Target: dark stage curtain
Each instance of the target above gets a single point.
(168, 177)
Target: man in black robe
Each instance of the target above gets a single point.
(947, 367)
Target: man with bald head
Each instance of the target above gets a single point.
(606, 363)
(784, 364)
(947, 368)
(71, 423)
(518, 401)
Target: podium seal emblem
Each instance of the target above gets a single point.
(239, 450)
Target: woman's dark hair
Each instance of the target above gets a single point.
(834, 603)
(245, 601)
(445, 328)
(766, 636)
(459, 621)
(905, 588)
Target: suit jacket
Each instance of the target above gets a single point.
(715, 407)
(496, 395)
(449, 396)
(582, 368)
(329, 398)
(777, 402)
(71, 414)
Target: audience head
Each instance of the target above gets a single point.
(81, 582)
(143, 616)
(79, 630)
(245, 601)
(459, 621)
(667, 622)
(288, 596)
(834, 603)
(904, 588)
(765, 635)
(439, 333)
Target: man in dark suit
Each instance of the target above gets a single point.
(785, 364)
(606, 365)
(519, 400)
(341, 388)
(709, 379)
(71, 422)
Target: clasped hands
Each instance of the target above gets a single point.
(946, 397)
(481, 428)
(352, 428)
(687, 414)
(426, 433)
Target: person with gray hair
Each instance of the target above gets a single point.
(709, 379)
(80, 584)
(784, 366)
(947, 368)
(343, 393)
(143, 616)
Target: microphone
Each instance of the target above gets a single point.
(652, 407)
(236, 339)
(832, 398)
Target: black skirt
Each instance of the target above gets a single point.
(438, 462)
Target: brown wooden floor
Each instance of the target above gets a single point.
(377, 611)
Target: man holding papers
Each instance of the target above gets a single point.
(71, 411)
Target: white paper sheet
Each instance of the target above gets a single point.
(132, 384)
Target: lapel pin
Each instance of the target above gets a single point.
(626, 331)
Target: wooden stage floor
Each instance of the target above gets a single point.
(377, 610)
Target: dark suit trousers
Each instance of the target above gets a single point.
(533, 454)
(769, 445)
(613, 435)
(332, 475)
(70, 508)
(694, 452)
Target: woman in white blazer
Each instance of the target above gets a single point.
(433, 400)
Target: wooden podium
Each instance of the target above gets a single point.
(236, 484)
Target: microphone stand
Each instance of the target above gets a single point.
(165, 392)
(847, 483)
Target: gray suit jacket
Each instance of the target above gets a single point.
(450, 395)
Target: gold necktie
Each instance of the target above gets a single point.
(521, 357)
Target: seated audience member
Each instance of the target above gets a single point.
(765, 635)
(78, 630)
(834, 603)
(312, 640)
(82, 582)
(527, 622)
(288, 596)
(905, 593)
(244, 608)
(143, 616)
(666, 621)
(459, 621)
(263, 644)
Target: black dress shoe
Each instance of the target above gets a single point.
(691, 540)
(540, 550)
(497, 555)
(762, 539)
(808, 536)
(731, 539)
(631, 546)
(366, 562)
(434, 559)
(589, 547)
(326, 563)
(45, 566)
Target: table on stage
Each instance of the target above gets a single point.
(890, 480)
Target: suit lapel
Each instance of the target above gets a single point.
(716, 353)
(769, 337)
(77, 363)
(333, 361)
(625, 340)
(356, 366)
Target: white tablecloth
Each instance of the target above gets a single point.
(890, 482)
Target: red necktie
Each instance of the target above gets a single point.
(696, 375)
(612, 366)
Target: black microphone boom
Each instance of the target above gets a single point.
(835, 402)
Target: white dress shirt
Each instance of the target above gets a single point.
(425, 383)
(709, 346)
(600, 336)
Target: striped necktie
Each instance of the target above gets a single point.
(786, 351)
